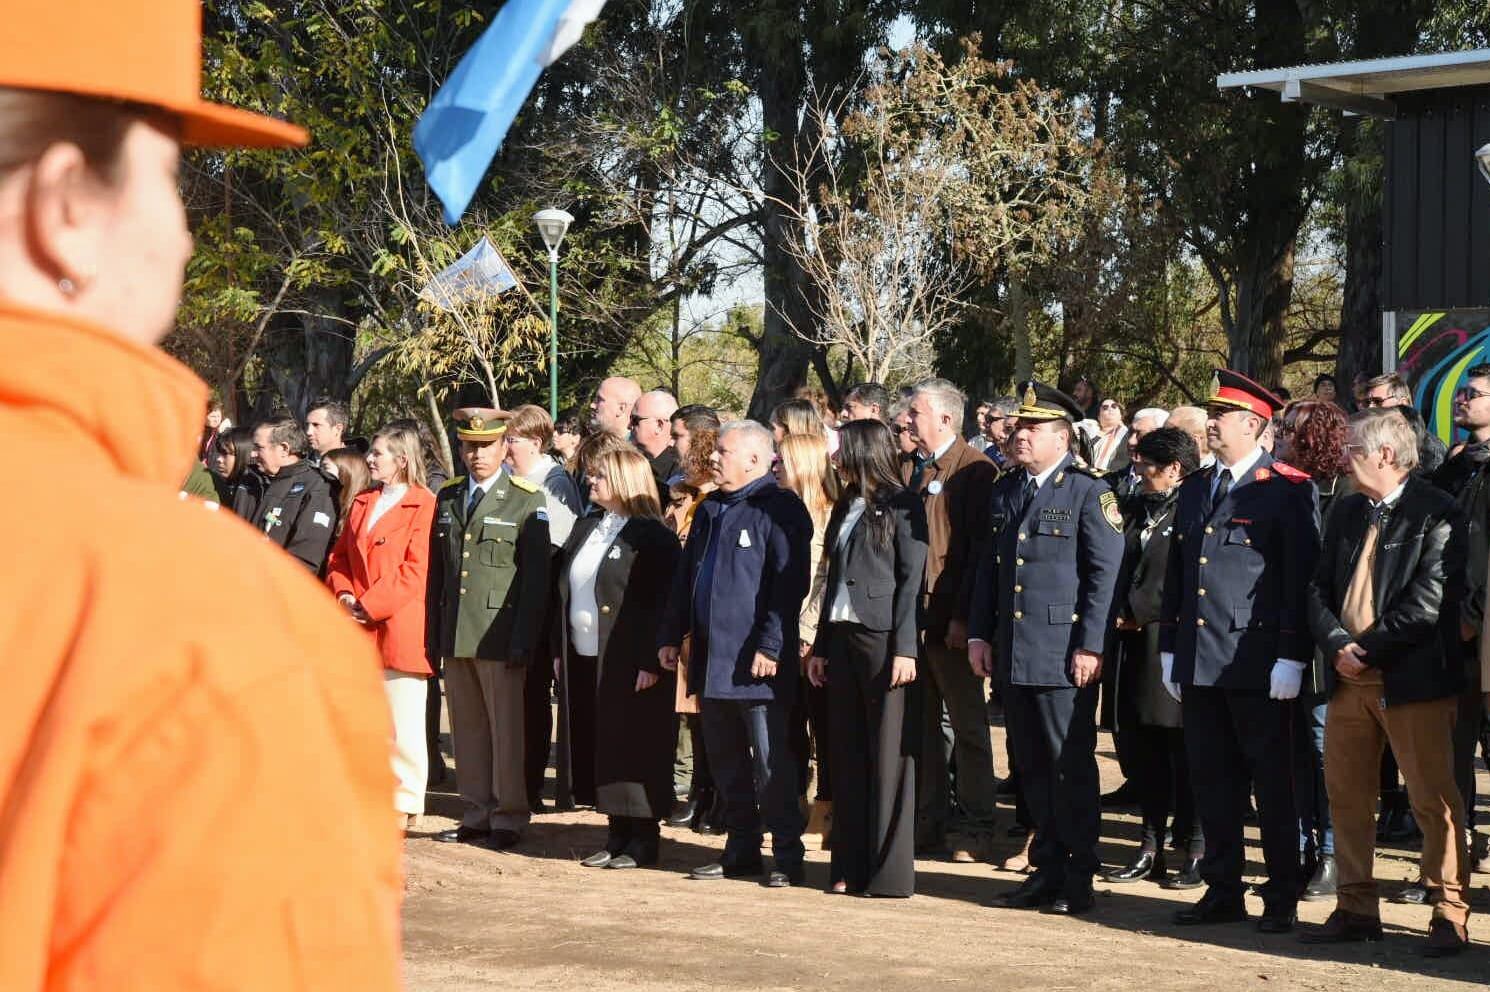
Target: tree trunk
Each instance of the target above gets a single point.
(1264, 287)
(310, 356)
(1019, 326)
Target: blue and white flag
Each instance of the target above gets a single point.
(480, 273)
(460, 131)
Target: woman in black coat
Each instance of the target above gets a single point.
(615, 574)
(865, 652)
(1161, 772)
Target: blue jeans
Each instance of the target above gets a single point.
(1316, 831)
(755, 773)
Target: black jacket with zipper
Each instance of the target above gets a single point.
(1418, 580)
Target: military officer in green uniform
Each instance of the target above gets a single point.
(488, 576)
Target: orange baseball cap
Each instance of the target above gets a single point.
(140, 51)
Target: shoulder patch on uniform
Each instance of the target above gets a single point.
(1110, 511)
(523, 484)
(1288, 472)
(459, 480)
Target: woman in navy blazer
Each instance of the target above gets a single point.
(865, 652)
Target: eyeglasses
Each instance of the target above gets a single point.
(637, 420)
(897, 430)
(1467, 395)
(1352, 447)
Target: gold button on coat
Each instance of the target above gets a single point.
(1200, 622)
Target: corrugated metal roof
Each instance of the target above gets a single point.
(1365, 86)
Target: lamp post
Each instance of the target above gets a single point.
(552, 225)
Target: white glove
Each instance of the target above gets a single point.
(1166, 668)
(1288, 676)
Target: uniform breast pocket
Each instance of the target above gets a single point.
(1244, 535)
(496, 546)
(1053, 528)
(1063, 613)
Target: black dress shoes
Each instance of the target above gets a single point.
(683, 813)
(785, 878)
(600, 859)
(1187, 877)
(1211, 909)
(1148, 864)
(622, 861)
(1344, 927)
(462, 835)
(1033, 893)
(501, 840)
(1074, 900)
(1416, 894)
(1277, 919)
(713, 872)
(1326, 878)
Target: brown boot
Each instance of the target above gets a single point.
(1445, 939)
(1020, 862)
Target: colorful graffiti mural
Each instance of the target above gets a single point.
(1433, 349)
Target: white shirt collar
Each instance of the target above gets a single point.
(942, 450)
(485, 487)
(1392, 496)
(1240, 469)
(1040, 479)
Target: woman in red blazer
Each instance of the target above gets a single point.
(378, 572)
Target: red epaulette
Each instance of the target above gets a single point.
(1290, 473)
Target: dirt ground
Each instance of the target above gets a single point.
(532, 918)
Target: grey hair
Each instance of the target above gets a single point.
(1006, 405)
(756, 431)
(945, 398)
(1375, 428)
(1159, 415)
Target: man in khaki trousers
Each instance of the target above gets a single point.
(1384, 607)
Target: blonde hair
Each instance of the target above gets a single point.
(806, 471)
(406, 444)
(631, 480)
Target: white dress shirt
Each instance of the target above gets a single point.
(584, 613)
(842, 610)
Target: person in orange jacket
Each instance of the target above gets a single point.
(191, 796)
(379, 571)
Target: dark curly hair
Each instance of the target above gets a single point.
(1316, 433)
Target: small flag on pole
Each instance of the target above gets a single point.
(479, 273)
(460, 131)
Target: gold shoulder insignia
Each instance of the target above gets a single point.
(1110, 511)
(459, 480)
(524, 484)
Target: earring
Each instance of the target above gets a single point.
(67, 286)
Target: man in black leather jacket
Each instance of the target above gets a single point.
(1384, 607)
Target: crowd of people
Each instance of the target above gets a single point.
(792, 629)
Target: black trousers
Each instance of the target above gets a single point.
(1162, 774)
(577, 736)
(1053, 731)
(873, 743)
(633, 835)
(538, 726)
(432, 720)
(809, 729)
(1119, 712)
(1234, 738)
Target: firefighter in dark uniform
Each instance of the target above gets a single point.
(1234, 645)
(1041, 611)
(488, 583)
(297, 509)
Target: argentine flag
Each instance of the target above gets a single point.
(460, 131)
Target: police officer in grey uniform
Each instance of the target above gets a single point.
(1041, 611)
(1234, 644)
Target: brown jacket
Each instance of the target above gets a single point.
(957, 489)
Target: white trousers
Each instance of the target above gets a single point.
(406, 697)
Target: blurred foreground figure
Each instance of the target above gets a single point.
(159, 761)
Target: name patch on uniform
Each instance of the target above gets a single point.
(1239, 520)
(1055, 513)
(297, 488)
(321, 519)
(1110, 511)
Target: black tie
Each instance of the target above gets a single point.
(1223, 486)
(477, 495)
(1030, 488)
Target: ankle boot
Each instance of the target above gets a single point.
(1188, 877)
(1148, 864)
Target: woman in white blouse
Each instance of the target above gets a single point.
(615, 573)
(865, 653)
